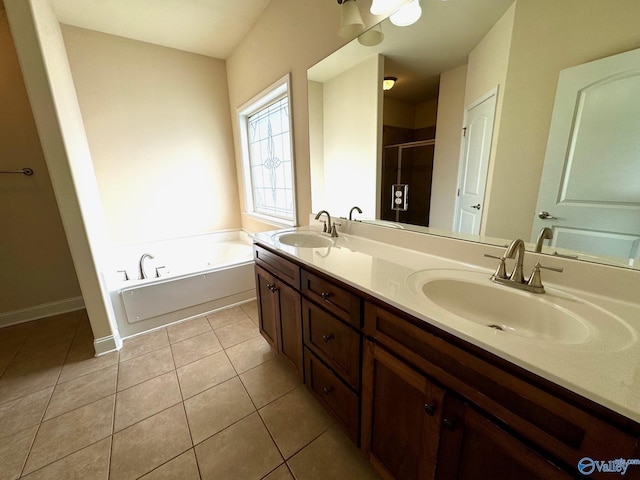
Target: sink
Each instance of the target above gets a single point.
(303, 239)
(554, 318)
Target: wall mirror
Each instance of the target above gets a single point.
(515, 92)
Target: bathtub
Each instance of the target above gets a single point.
(187, 277)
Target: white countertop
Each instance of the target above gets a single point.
(605, 375)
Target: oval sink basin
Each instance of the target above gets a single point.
(303, 239)
(552, 318)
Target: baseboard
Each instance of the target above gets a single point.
(106, 345)
(41, 311)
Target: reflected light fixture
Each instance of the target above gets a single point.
(371, 37)
(407, 14)
(385, 7)
(351, 23)
(388, 83)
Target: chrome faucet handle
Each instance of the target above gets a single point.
(158, 271)
(501, 271)
(324, 226)
(535, 281)
(125, 275)
(334, 232)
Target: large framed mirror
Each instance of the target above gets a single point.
(490, 98)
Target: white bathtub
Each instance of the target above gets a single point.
(197, 275)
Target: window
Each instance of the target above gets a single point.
(265, 132)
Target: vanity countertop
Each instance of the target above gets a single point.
(608, 376)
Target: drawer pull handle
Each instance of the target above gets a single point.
(325, 296)
(449, 424)
(272, 287)
(430, 409)
(327, 390)
(328, 337)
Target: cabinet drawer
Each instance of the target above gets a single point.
(544, 417)
(332, 393)
(285, 270)
(336, 343)
(342, 303)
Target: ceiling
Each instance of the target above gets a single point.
(207, 27)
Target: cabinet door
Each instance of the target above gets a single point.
(265, 285)
(290, 318)
(401, 417)
(472, 447)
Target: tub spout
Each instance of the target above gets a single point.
(142, 259)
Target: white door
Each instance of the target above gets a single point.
(474, 163)
(590, 185)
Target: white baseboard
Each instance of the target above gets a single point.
(41, 311)
(106, 345)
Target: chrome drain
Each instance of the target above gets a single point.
(497, 327)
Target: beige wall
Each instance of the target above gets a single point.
(158, 125)
(447, 149)
(579, 31)
(36, 263)
(399, 113)
(289, 37)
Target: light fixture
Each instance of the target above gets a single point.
(407, 14)
(371, 37)
(385, 7)
(351, 23)
(388, 83)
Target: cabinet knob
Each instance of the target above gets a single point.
(328, 337)
(449, 424)
(430, 409)
(327, 390)
(272, 287)
(325, 295)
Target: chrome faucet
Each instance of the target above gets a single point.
(545, 234)
(351, 212)
(326, 228)
(516, 278)
(141, 265)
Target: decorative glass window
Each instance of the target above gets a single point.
(265, 128)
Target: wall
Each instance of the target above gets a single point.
(447, 149)
(352, 99)
(37, 275)
(290, 36)
(171, 172)
(579, 31)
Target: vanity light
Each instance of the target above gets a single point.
(371, 37)
(351, 23)
(388, 83)
(407, 14)
(384, 7)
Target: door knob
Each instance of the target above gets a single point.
(477, 206)
(546, 216)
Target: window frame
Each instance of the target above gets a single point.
(272, 94)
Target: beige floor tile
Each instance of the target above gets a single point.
(85, 363)
(188, 329)
(280, 473)
(136, 346)
(82, 391)
(205, 373)
(91, 462)
(183, 467)
(23, 412)
(237, 332)
(144, 367)
(146, 399)
(243, 451)
(225, 317)
(250, 353)
(148, 444)
(82, 344)
(14, 385)
(195, 348)
(269, 381)
(13, 452)
(295, 420)
(215, 409)
(57, 327)
(71, 432)
(332, 455)
(251, 309)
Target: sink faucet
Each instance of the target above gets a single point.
(327, 224)
(351, 212)
(545, 234)
(141, 265)
(516, 279)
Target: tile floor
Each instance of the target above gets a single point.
(202, 399)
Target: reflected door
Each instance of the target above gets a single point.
(590, 185)
(474, 164)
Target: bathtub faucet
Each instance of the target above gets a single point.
(142, 259)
